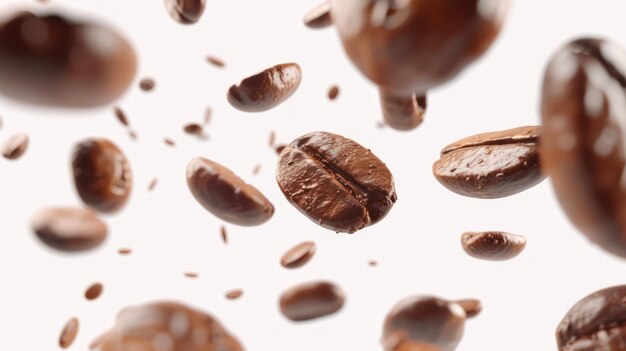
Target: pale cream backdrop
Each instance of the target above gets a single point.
(417, 245)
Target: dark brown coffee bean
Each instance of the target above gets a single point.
(311, 300)
(234, 294)
(424, 319)
(52, 60)
(94, 291)
(472, 307)
(491, 165)
(15, 146)
(216, 61)
(193, 129)
(333, 92)
(402, 111)
(69, 333)
(267, 89)
(225, 195)
(69, 229)
(153, 184)
(493, 246)
(597, 322)
(185, 11)
(298, 255)
(335, 182)
(415, 45)
(102, 175)
(125, 251)
(318, 17)
(121, 116)
(169, 142)
(167, 326)
(224, 234)
(584, 154)
(147, 84)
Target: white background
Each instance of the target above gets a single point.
(417, 245)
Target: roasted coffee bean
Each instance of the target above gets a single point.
(15, 146)
(333, 92)
(191, 275)
(267, 89)
(298, 255)
(69, 333)
(69, 229)
(319, 16)
(414, 346)
(166, 326)
(595, 323)
(52, 60)
(584, 123)
(335, 182)
(94, 291)
(147, 84)
(102, 175)
(216, 61)
(311, 300)
(234, 294)
(185, 11)
(491, 165)
(121, 117)
(424, 319)
(125, 251)
(208, 114)
(225, 195)
(152, 185)
(472, 307)
(193, 129)
(415, 45)
(402, 111)
(493, 246)
(224, 234)
(169, 142)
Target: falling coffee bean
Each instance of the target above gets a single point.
(585, 138)
(256, 169)
(279, 149)
(493, 246)
(69, 333)
(125, 251)
(169, 142)
(311, 300)
(69, 229)
(153, 184)
(224, 234)
(193, 129)
(472, 307)
(272, 139)
(121, 116)
(491, 165)
(318, 17)
(216, 61)
(94, 291)
(595, 323)
(185, 11)
(298, 255)
(234, 294)
(191, 275)
(333, 92)
(15, 146)
(208, 114)
(52, 60)
(402, 111)
(102, 175)
(267, 89)
(225, 195)
(147, 84)
(335, 182)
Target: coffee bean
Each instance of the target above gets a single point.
(153, 184)
(491, 165)
(225, 195)
(267, 89)
(335, 182)
(372, 263)
(472, 307)
(216, 61)
(415, 45)
(69, 229)
(102, 175)
(311, 300)
(121, 116)
(298, 255)
(191, 275)
(584, 132)
(224, 234)
(333, 92)
(597, 322)
(147, 84)
(493, 246)
(94, 291)
(53, 60)
(208, 113)
(15, 146)
(167, 326)
(185, 11)
(193, 129)
(414, 346)
(125, 251)
(69, 333)
(234, 294)
(424, 319)
(318, 17)
(169, 142)
(272, 138)
(402, 111)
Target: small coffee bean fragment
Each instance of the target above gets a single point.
(185, 11)
(311, 300)
(191, 275)
(169, 142)
(256, 169)
(272, 139)
(402, 111)
(472, 307)
(318, 17)
(493, 246)
(298, 255)
(216, 61)
(333, 92)
(208, 113)
(125, 251)
(266, 90)
(94, 291)
(234, 294)
(121, 116)
(491, 165)
(69, 229)
(69, 333)
(224, 234)
(153, 184)
(15, 146)
(147, 84)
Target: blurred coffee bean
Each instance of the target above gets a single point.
(94, 291)
(69, 333)
(311, 300)
(69, 229)
(472, 307)
(298, 255)
(15, 146)
(402, 111)
(319, 16)
(185, 11)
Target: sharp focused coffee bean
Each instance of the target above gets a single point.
(52, 60)
(319, 16)
(69, 333)
(491, 165)
(582, 108)
(225, 195)
(15, 146)
(69, 229)
(298, 255)
(167, 326)
(472, 307)
(415, 45)
(493, 246)
(216, 61)
(185, 11)
(94, 291)
(147, 84)
(102, 175)
(596, 323)
(266, 90)
(424, 319)
(335, 182)
(402, 111)
(311, 300)
(333, 92)
(234, 294)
